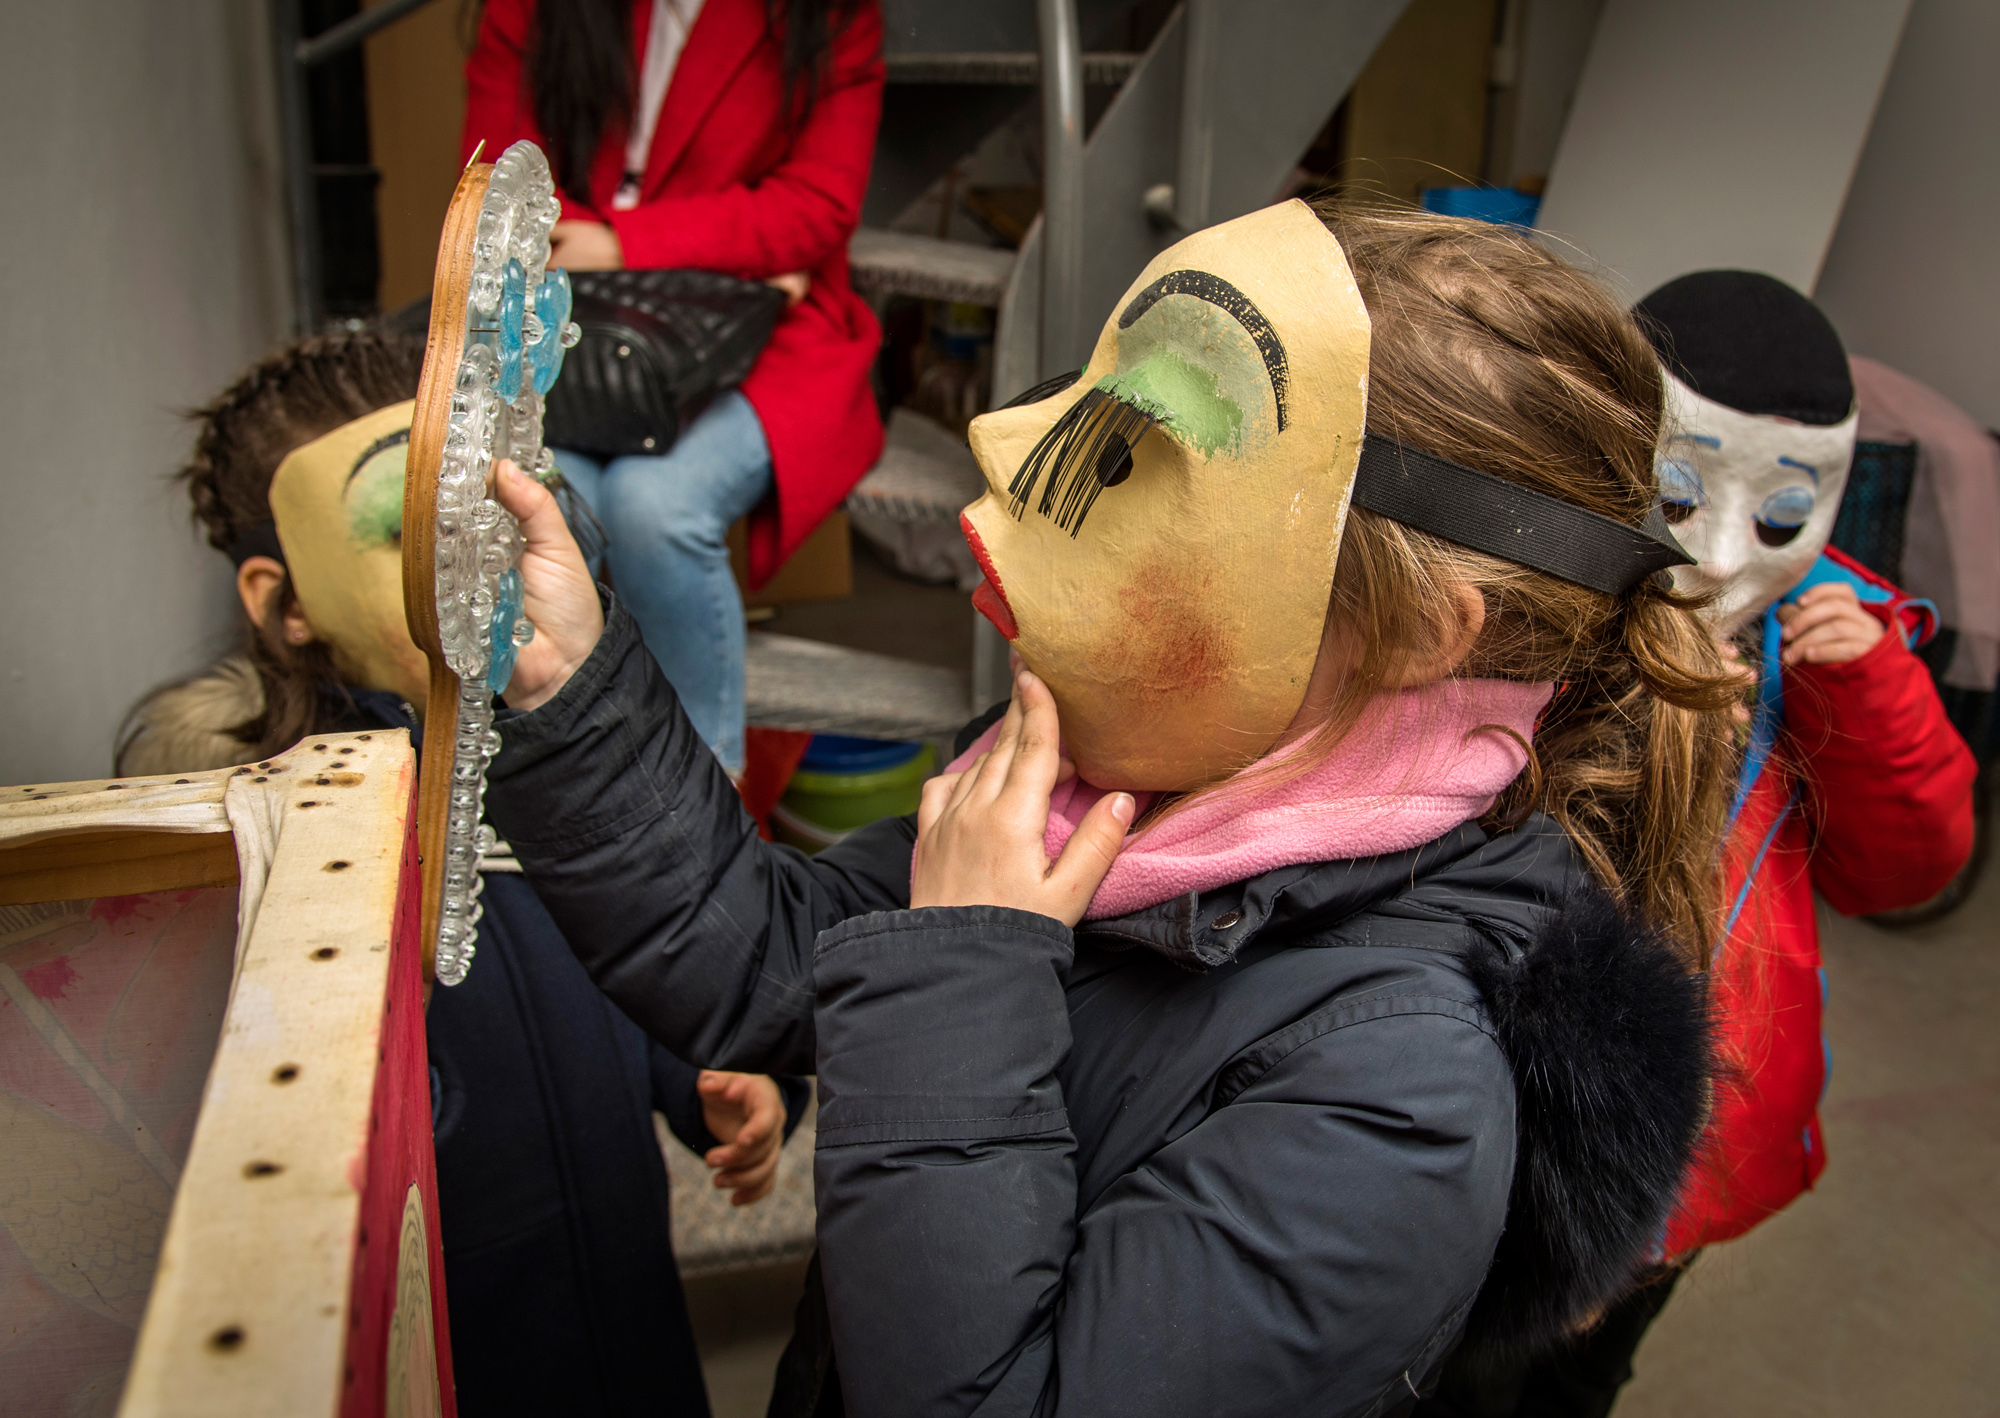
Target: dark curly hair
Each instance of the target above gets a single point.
(283, 402)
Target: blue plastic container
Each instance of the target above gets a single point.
(837, 753)
(1500, 205)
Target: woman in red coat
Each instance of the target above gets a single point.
(731, 136)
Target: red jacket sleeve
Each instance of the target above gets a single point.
(1888, 780)
(799, 213)
(497, 111)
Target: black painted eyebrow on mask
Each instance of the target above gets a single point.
(1204, 285)
(380, 445)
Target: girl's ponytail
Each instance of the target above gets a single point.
(1491, 352)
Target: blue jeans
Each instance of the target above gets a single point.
(664, 519)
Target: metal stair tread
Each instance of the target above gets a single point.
(814, 687)
(926, 474)
(900, 263)
(1107, 69)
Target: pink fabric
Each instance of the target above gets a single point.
(1414, 768)
(1954, 510)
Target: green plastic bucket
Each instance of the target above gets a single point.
(838, 801)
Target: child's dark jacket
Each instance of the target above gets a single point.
(1866, 799)
(1252, 1151)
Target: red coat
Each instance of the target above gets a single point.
(1882, 819)
(728, 188)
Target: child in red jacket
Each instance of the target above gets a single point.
(1854, 784)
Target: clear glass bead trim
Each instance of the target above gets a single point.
(516, 332)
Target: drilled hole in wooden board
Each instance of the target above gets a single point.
(325, 952)
(254, 1170)
(310, 802)
(319, 748)
(323, 782)
(336, 866)
(284, 1073)
(227, 1340)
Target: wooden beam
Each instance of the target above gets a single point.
(122, 862)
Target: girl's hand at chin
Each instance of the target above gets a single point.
(558, 592)
(979, 832)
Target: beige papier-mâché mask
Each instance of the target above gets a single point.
(338, 505)
(1159, 538)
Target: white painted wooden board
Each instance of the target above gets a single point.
(249, 1310)
(1718, 133)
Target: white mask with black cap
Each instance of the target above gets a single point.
(1757, 434)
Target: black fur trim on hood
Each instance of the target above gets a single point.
(1609, 1040)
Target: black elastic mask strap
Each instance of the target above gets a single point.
(258, 540)
(1504, 519)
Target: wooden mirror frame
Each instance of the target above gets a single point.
(428, 428)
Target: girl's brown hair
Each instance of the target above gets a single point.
(283, 402)
(1491, 352)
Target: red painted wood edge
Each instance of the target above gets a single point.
(400, 1151)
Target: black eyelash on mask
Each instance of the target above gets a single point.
(1085, 451)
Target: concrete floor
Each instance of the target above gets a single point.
(1879, 1293)
(741, 1324)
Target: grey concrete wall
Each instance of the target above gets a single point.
(1552, 41)
(1712, 133)
(1913, 276)
(141, 268)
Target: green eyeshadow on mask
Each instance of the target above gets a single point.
(1185, 398)
(375, 500)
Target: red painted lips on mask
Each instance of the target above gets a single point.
(990, 600)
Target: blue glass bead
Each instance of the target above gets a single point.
(506, 610)
(552, 304)
(513, 309)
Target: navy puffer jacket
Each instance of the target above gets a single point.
(1270, 1149)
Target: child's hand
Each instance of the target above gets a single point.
(979, 833)
(559, 593)
(747, 1112)
(1827, 626)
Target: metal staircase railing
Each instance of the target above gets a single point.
(295, 56)
(1205, 126)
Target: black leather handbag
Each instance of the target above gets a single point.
(656, 347)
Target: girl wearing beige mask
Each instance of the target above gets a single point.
(552, 1190)
(1297, 980)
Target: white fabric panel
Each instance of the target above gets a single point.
(1913, 278)
(1712, 133)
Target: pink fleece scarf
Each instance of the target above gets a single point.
(1419, 763)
